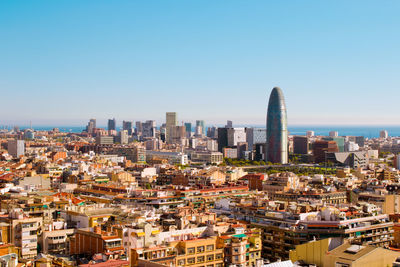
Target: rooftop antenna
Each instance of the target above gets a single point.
(30, 125)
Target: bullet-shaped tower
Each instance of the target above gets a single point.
(277, 134)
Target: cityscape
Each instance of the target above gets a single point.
(170, 133)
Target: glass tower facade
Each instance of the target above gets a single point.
(277, 134)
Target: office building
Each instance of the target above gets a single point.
(138, 129)
(229, 124)
(255, 136)
(127, 125)
(202, 125)
(321, 147)
(149, 129)
(354, 160)
(310, 133)
(222, 138)
(91, 126)
(188, 128)
(339, 142)
(242, 147)
(212, 132)
(236, 135)
(104, 140)
(208, 157)
(333, 133)
(171, 123)
(16, 148)
(277, 135)
(301, 144)
(112, 124)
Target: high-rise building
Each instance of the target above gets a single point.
(383, 134)
(310, 133)
(277, 135)
(123, 137)
(127, 125)
(188, 127)
(222, 138)
(333, 133)
(16, 148)
(112, 124)
(339, 142)
(203, 126)
(212, 132)
(300, 144)
(91, 126)
(138, 129)
(255, 136)
(171, 122)
(229, 124)
(149, 129)
(321, 148)
(236, 135)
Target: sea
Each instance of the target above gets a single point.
(366, 131)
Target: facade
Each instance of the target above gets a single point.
(222, 138)
(300, 144)
(105, 140)
(277, 135)
(236, 135)
(24, 233)
(123, 137)
(171, 157)
(127, 125)
(91, 126)
(202, 125)
(16, 148)
(149, 129)
(255, 136)
(321, 147)
(112, 124)
(171, 123)
(209, 157)
(333, 133)
(188, 128)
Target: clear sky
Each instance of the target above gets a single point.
(63, 62)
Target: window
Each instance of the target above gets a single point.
(210, 247)
(200, 249)
(210, 265)
(191, 261)
(218, 256)
(339, 264)
(181, 262)
(236, 250)
(190, 250)
(200, 259)
(236, 258)
(218, 265)
(210, 257)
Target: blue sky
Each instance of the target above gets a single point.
(63, 62)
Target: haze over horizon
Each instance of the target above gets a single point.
(64, 63)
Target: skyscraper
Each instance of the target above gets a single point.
(171, 123)
(91, 126)
(277, 135)
(127, 125)
(203, 126)
(112, 124)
